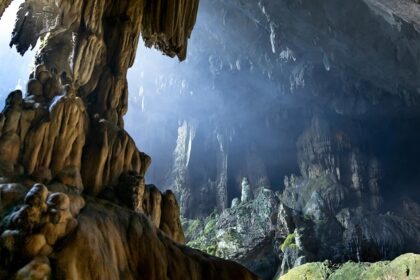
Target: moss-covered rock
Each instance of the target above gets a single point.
(404, 267)
(244, 233)
(289, 241)
(309, 271)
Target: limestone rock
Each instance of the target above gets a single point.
(34, 87)
(325, 148)
(244, 233)
(172, 33)
(403, 267)
(246, 191)
(38, 269)
(235, 202)
(4, 5)
(95, 231)
(161, 208)
(58, 142)
(110, 152)
(52, 88)
(70, 176)
(68, 132)
(10, 193)
(170, 222)
(10, 147)
(42, 175)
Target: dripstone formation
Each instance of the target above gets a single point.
(73, 201)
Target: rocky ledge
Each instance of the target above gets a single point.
(332, 211)
(403, 267)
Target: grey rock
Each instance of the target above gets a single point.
(246, 191)
(235, 202)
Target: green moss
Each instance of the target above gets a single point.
(202, 245)
(309, 271)
(210, 226)
(404, 267)
(192, 228)
(289, 241)
(349, 271)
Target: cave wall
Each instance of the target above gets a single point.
(293, 61)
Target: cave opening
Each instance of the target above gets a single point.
(288, 135)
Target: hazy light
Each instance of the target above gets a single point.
(14, 69)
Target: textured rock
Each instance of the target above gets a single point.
(105, 241)
(3, 5)
(68, 132)
(110, 152)
(211, 190)
(403, 267)
(316, 219)
(170, 222)
(170, 34)
(246, 191)
(100, 63)
(235, 202)
(161, 208)
(324, 149)
(57, 142)
(244, 233)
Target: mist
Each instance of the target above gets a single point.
(237, 106)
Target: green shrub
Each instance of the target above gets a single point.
(289, 241)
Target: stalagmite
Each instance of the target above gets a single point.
(95, 218)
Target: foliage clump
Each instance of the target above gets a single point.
(290, 241)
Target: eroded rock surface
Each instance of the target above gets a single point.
(403, 267)
(52, 234)
(67, 132)
(332, 211)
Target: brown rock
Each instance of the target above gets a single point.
(35, 244)
(34, 87)
(43, 76)
(110, 152)
(4, 5)
(91, 46)
(42, 175)
(37, 196)
(9, 147)
(38, 269)
(170, 222)
(168, 27)
(12, 112)
(58, 142)
(70, 176)
(138, 251)
(40, 68)
(52, 88)
(77, 202)
(10, 194)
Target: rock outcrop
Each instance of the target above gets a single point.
(337, 151)
(64, 236)
(403, 267)
(332, 211)
(244, 233)
(73, 199)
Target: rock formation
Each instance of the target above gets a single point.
(332, 211)
(403, 267)
(73, 200)
(322, 62)
(244, 233)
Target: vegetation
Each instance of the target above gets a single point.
(290, 241)
(404, 267)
